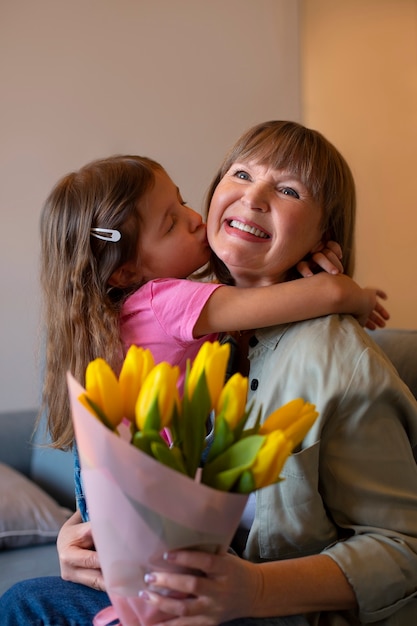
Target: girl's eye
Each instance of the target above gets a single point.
(289, 191)
(171, 226)
(242, 175)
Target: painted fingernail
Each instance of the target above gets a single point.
(169, 556)
(149, 578)
(144, 595)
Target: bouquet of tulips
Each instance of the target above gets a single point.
(141, 443)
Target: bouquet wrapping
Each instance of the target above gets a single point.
(141, 446)
(140, 508)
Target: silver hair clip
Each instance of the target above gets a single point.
(107, 234)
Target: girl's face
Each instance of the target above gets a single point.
(261, 223)
(173, 241)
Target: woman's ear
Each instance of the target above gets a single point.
(125, 276)
(322, 243)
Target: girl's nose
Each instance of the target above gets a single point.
(255, 198)
(195, 219)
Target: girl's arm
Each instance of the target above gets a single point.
(234, 308)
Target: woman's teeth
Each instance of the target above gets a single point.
(248, 229)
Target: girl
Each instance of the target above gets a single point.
(117, 243)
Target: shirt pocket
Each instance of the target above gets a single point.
(292, 517)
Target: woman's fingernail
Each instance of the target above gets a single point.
(144, 595)
(169, 556)
(149, 578)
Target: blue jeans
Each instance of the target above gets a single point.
(51, 601)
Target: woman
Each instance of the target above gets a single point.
(337, 539)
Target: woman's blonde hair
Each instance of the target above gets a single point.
(316, 162)
(81, 310)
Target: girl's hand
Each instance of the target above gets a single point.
(374, 314)
(327, 256)
(77, 558)
(227, 589)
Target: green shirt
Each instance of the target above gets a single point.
(351, 490)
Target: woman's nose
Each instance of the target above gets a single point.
(255, 198)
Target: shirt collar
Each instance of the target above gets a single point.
(271, 336)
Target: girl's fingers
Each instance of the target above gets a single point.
(328, 261)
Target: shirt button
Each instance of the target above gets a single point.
(253, 341)
(254, 384)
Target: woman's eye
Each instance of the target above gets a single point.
(289, 191)
(171, 226)
(241, 174)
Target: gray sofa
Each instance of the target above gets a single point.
(36, 497)
(52, 472)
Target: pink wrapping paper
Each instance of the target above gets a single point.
(139, 509)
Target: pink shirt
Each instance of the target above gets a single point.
(161, 316)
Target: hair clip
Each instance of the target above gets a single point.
(108, 234)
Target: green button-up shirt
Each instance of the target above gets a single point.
(350, 492)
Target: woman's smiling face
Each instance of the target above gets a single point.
(262, 222)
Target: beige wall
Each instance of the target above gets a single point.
(177, 80)
(359, 69)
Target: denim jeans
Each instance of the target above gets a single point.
(51, 601)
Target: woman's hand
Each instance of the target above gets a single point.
(77, 558)
(228, 588)
(327, 257)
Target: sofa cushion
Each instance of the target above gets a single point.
(28, 515)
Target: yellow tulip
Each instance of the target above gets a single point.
(270, 459)
(136, 366)
(294, 418)
(158, 397)
(212, 360)
(102, 387)
(232, 400)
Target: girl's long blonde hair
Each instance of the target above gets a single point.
(81, 310)
(318, 164)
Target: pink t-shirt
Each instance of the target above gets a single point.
(161, 316)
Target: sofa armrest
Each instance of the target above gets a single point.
(52, 469)
(16, 429)
(400, 346)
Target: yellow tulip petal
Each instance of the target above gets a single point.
(160, 385)
(232, 400)
(216, 370)
(211, 361)
(283, 417)
(136, 366)
(103, 388)
(197, 367)
(270, 459)
(300, 427)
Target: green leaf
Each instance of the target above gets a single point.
(225, 481)
(100, 414)
(194, 417)
(143, 440)
(246, 483)
(168, 457)
(239, 431)
(176, 427)
(223, 438)
(238, 457)
(153, 418)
